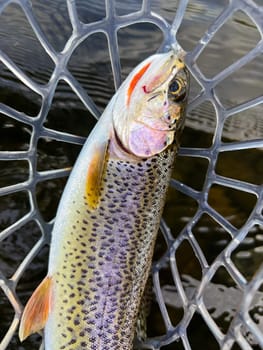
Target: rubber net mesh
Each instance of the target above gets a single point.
(191, 298)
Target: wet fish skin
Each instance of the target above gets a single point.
(107, 222)
(111, 249)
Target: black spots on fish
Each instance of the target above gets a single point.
(83, 344)
(110, 247)
(82, 334)
(71, 310)
(88, 212)
(85, 222)
(100, 284)
(80, 289)
(152, 178)
(98, 315)
(70, 286)
(109, 258)
(101, 254)
(84, 271)
(73, 340)
(165, 156)
(76, 322)
(91, 258)
(81, 283)
(81, 302)
(93, 248)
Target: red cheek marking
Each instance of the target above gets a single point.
(145, 89)
(135, 80)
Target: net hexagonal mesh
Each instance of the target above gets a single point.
(207, 273)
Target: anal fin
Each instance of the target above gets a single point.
(37, 309)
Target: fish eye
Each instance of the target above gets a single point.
(177, 90)
(174, 87)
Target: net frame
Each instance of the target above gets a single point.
(110, 26)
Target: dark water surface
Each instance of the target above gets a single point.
(90, 65)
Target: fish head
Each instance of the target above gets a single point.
(149, 107)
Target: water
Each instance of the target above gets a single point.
(68, 114)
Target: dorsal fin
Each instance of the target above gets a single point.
(95, 173)
(37, 310)
(135, 80)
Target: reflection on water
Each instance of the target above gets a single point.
(90, 65)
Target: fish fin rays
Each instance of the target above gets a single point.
(95, 174)
(37, 309)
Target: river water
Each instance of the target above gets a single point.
(90, 65)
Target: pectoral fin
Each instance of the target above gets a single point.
(37, 310)
(95, 174)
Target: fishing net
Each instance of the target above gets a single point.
(222, 300)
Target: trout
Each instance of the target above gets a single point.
(109, 214)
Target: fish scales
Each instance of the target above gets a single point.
(108, 217)
(107, 256)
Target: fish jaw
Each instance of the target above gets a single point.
(146, 108)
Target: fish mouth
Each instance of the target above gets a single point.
(168, 128)
(169, 121)
(165, 123)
